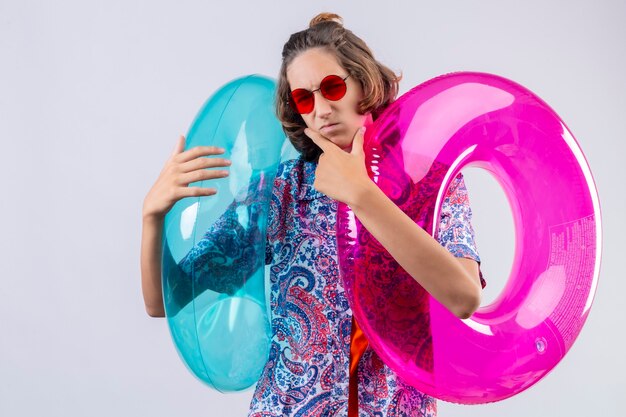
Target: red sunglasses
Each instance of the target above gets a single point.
(332, 87)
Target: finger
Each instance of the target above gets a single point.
(180, 145)
(201, 175)
(357, 142)
(197, 151)
(319, 140)
(202, 162)
(196, 192)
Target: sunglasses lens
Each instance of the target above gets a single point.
(333, 87)
(302, 101)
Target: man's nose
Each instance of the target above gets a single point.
(322, 104)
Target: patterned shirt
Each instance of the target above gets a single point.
(307, 373)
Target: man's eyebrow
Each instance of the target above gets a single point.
(311, 87)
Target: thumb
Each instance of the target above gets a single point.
(180, 145)
(357, 142)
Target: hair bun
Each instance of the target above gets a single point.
(326, 17)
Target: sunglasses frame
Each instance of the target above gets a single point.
(293, 105)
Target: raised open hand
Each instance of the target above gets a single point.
(181, 169)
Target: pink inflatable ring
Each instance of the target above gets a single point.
(413, 151)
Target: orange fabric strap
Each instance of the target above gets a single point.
(358, 344)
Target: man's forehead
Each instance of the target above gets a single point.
(312, 82)
(308, 71)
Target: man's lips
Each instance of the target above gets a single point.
(329, 128)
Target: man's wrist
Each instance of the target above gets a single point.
(364, 195)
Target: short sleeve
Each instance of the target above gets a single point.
(455, 228)
(229, 251)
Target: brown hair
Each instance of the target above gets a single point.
(380, 84)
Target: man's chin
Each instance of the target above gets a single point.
(336, 139)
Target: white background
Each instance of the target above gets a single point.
(92, 98)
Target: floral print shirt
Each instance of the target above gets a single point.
(307, 373)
